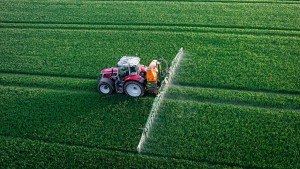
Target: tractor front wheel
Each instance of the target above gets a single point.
(134, 89)
(105, 88)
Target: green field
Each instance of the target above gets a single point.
(226, 134)
(234, 102)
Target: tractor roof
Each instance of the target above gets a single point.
(129, 61)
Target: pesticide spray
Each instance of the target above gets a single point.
(159, 98)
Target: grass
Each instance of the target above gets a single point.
(260, 62)
(49, 82)
(76, 118)
(34, 154)
(235, 97)
(234, 104)
(217, 14)
(78, 53)
(226, 134)
(243, 62)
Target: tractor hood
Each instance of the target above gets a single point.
(108, 70)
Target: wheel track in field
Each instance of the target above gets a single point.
(68, 144)
(229, 1)
(192, 1)
(292, 93)
(152, 27)
(124, 151)
(213, 101)
(50, 89)
(47, 75)
(231, 103)
(48, 84)
(146, 24)
(219, 1)
(41, 75)
(239, 103)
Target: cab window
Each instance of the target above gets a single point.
(133, 71)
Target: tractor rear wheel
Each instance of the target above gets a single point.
(105, 88)
(134, 89)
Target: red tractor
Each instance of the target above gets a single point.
(131, 77)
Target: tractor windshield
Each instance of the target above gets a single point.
(123, 71)
(134, 70)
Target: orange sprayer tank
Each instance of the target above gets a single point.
(152, 72)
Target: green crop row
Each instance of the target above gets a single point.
(247, 98)
(213, 60)
(242, 62)
(79, 53)
(20, 153)
(241, 136)
(217, 14)
(49, 82)
(76, 118)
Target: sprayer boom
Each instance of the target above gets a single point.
(159, 98)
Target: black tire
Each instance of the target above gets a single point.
(134, 89)
(104, 88)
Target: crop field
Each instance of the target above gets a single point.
(233, 103)
(227, 134)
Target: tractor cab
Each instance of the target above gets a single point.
(129, 65)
